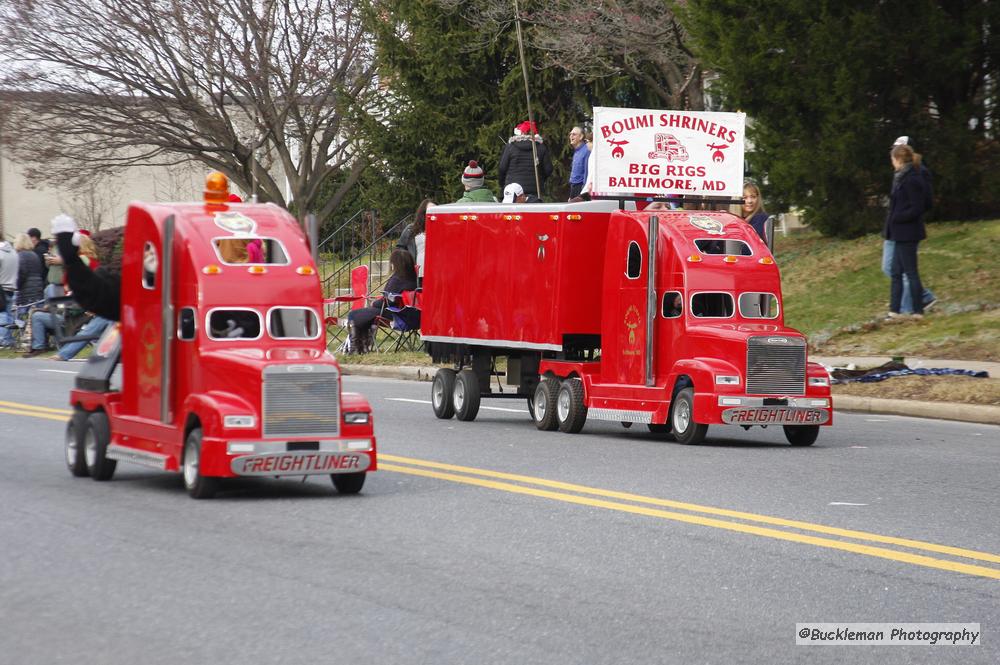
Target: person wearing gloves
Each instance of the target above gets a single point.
(95, 291)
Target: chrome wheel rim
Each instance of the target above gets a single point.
(682, 416)
(540, 404)
(191, 465)
(437, 395)
(72, 450)
(459, 395)
(90, 448)
(562, 405)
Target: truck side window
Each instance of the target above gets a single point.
(758, 306)
(634, 267)
(234, 324)
(187, 325)
(712, 305)
(150, 266)
(293, 323)
(673, 304)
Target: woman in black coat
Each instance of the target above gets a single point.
(905, 226)
(30, 285)
(403, 278)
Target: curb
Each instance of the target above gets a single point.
(972, 413)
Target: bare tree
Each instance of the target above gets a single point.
(236, 85)
(594, 39)
(94, 201)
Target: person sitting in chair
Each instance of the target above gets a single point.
(360, 321)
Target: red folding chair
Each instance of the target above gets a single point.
(337, 320)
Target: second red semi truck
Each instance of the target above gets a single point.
(670, 318)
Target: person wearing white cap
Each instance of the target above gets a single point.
(514, 193)
(888, 246)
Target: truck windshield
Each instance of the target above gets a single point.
(712, 305)
(758, 305)
(721, 246)
(234, 324)
(253, 250)
(293, 323)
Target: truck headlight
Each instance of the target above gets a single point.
(356, 417)
(819, 381)
(723, 380)
(239, 422)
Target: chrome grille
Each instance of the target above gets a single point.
(776, 365)
(301, 400)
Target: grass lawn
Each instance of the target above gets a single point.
(835, 293)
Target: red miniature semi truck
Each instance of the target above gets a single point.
(218, 367)
(670, 318)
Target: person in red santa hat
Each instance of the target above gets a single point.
(517, 164)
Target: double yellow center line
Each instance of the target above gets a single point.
(701, 515)
(913, 552)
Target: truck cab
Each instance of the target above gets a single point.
(218, 367)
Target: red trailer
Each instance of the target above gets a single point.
(224, 370)
(670, 318)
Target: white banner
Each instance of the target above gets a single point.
(657, 153)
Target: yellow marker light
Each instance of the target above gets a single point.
(305, 270)
(212, 269)
(517, 218)
(256, 270)
(554, 218)
(694, 258)
(216, 188)
(433, 217)
(767, 261)
(574, 218)
(730, 259)
(465, 218)
(508, 217)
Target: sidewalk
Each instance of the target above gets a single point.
(973, 413)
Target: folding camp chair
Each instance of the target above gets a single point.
(336, 320)
(400, 322)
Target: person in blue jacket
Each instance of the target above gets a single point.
(904, 225)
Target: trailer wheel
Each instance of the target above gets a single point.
(570, 409)
(801, 435)
(546, 394)
(76, 432)
(466, 395)
(662, 431)
(686, 430)
(348, 483)
(197, 485)
(441, 393)
(95, 447)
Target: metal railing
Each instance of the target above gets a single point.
(341, 251)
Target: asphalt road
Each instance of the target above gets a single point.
(492, 542)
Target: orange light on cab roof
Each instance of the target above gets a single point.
(767, 261)
(305, 270)
(216, 188)
(256, 270)
(694, 258)
(730, 259)
(212, 269)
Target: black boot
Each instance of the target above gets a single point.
(354, 344)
